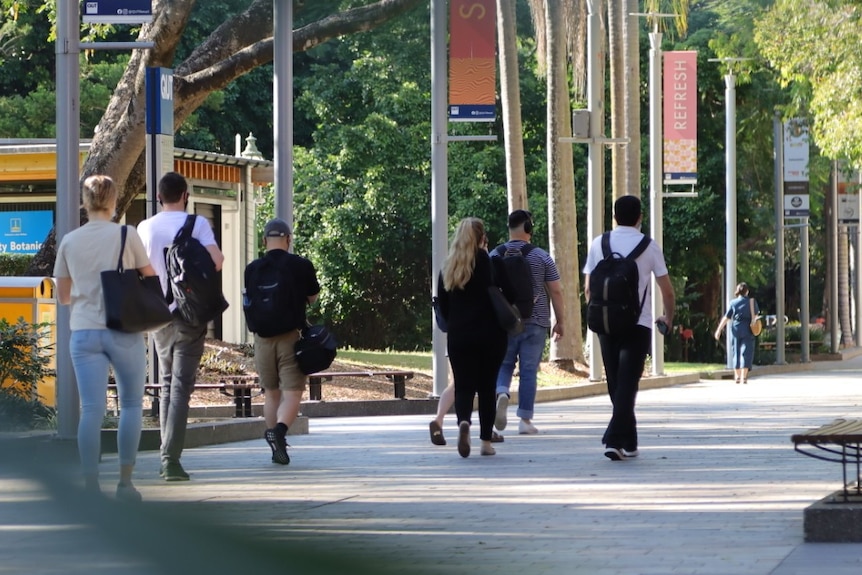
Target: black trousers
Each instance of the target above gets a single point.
(475, 366)
(624, 358)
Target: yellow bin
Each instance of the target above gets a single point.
(32, 299)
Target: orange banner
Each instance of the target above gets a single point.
(680, 118)
(472, 60)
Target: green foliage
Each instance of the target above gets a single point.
(24, 363)
(14, 265)
(212, 362)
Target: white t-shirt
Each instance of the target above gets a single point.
(159, 231)
(86, 252)
(623, 240)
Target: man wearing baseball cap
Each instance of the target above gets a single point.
(278, 287)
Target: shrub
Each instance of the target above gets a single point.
(23, 364)
(14, 265)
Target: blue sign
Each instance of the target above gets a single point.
(24, 232)
(117, 11)
(160, 101)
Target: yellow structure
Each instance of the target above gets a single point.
(32, 299)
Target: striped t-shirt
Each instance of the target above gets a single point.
(544, 270)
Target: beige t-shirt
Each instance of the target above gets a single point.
(82, 255)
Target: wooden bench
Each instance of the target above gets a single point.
(398, 378)
(839, 441)
(239, 387)
(770, 345)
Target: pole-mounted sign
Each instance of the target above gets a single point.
(117, 11)
(796, 201)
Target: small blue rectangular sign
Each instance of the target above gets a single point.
(117, 11)
(160, 101)
(24, 232)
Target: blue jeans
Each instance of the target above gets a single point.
(527, 349)
(92, 352)
(179, 347)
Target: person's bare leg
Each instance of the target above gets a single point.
(271, 403)
(444, 404)
(288, 407)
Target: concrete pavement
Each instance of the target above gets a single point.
(716, 490)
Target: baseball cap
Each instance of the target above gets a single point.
(276, 228)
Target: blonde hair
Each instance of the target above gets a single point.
(461, 260)
(98, 193)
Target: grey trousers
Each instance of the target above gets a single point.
(179, 347)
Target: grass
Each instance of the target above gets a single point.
(421, 361)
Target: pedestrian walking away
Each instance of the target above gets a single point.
(81, 257)
(179, 345)
(526, 348)
(476, 342)
(624, 351)
(741, 314)
(278, 288)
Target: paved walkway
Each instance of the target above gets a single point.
(717, 490)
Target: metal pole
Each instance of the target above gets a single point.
(804, 281)
(655, 154)
(778, 131)
(595, 182)
(730, 200)
(439, 177)
(858, 273)
(68, 196)
(283, 108)
(833, 260)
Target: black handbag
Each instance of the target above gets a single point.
(133, 303)
(507, 313)
(315, 350)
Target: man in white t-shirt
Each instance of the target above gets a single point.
(624, 355)
(179, 346)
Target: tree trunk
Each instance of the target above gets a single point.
(510, 90)
(632, 80)
(619, 99)
(239, 45)
(844, 303)
(562, 220)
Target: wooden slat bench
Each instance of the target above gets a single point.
(398, 378)
(239, 387)
(839, 441)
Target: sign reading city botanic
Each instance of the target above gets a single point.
(117, 11)
(796, 202)
(472, 62)
(680, 118)
(22, 233)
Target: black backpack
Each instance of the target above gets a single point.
(520, 276)
(192, 278)
(615, 304)
(270, 299)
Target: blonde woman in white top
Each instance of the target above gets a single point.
(81, 256)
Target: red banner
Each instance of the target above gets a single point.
(680, 118)
(472, 60)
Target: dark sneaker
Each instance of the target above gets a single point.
(614, 454)
(173, 471)
(278, 444)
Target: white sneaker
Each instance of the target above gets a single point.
(500, 421)
(526, 428)
(632, 453)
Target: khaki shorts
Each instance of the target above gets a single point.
(276, 364)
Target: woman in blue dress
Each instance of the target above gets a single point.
(739, 314)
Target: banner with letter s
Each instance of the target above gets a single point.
(472, 60)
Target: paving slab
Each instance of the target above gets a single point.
(717, 490)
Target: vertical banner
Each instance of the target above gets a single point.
(472, 60)
(680, 118)
(796, 201)
(848, 193)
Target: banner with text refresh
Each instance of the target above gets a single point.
(680, 118)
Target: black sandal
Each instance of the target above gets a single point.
(436, 433)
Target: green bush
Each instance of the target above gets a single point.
(14, 265)
(23, 364)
